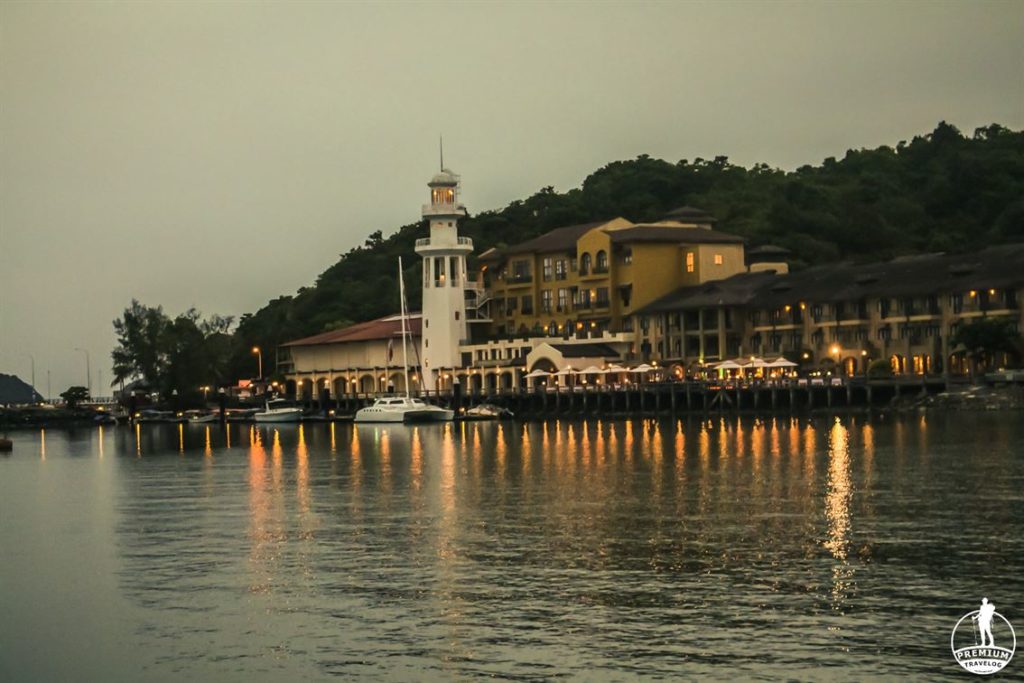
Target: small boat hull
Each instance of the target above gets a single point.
(276, 417)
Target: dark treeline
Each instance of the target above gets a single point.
(944, 191)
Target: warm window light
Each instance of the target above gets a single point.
(786, 308)
(991, 292)
(719, 260)
(972, 293)
(802, 305)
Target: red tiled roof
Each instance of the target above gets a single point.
(382, 328)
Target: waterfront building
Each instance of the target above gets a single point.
(839, 318)
(365, 358)
(676, 292)
(586, 280)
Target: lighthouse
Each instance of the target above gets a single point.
(444, 280)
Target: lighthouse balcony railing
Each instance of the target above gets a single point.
(461, 241)
(444, 210)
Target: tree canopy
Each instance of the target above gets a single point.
(175, 355)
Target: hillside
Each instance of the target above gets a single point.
(939, 192)
(13, 390)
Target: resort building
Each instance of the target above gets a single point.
(364, 358)
(677, 293)
(584, 280)
(839, 317)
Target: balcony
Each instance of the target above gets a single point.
(460, 244)
(519, 279)
(436, 210)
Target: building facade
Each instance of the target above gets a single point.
(840, 317)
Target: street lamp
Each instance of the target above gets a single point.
(88, 370)
(33, 359)
(259, 355)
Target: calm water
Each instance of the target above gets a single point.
(824, 550)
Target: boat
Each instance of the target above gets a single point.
(240, 414)
(162, 416)
(198, 417)
(487, 411)
(278, 411)
(403, 408)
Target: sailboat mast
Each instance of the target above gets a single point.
(401, 297)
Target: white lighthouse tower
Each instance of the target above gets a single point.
(444, 279)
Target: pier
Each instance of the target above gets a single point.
(656, 398)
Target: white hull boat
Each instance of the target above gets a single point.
(278, 413)
(403, 409)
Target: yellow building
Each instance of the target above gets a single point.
(584, 280)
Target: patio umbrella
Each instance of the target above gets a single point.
(756, 362)
(728, 365)
(592, 370)
(566, 371)
(781, 363)
(537, 373)
(642, 368)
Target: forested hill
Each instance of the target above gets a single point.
(944, 191)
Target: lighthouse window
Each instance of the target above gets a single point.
(439, 271)
(453, 262)
(456, 315)
(426, 272)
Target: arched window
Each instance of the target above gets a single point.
(602, 262)
(585, 264)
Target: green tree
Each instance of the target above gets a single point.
(175, 355)
(73, 396)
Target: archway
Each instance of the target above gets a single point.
(898, 364)
(367, 384)
(491, 382)
(849, 366)
(507, 380)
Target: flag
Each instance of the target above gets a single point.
(391, 350)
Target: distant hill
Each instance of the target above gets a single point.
(13, 390)
(943, 191)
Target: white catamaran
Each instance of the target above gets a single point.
(403, 408)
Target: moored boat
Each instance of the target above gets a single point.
(403, 409)
(278, 411)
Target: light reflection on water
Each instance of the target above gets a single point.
(598, 549)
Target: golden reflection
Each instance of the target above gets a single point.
(227, 432)
(416, 461)
(334, 442)
(208, 449)
(101, 441)
(138, 440)
(837, 511)
(302, 491)
(260, 534)
(42, 444)
(181, 438)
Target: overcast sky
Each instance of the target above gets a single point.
(217, 155)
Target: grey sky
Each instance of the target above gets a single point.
(220, 154)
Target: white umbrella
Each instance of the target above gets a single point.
(756, 362)
(642, 368)
(781, 363)
(728, 365)
(567, 371)
(537, 373)
(592, 370)
(616, 368)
